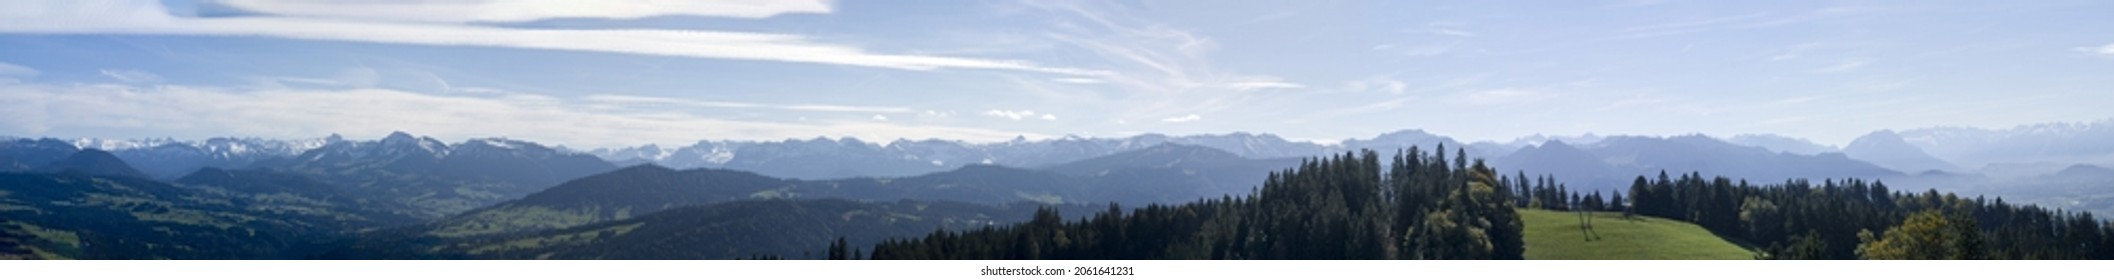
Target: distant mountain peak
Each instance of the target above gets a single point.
(1887, 149)
(1782, 144)
(647, 167)
(399, 137)
(93, 162)
(2085, 170)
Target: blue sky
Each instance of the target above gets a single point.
(614, 73)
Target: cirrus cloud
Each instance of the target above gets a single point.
(527, 10)
(11, 70)
(1183, 119)
(152, 18)
(1019, 114)
(2106, 51)
(198, 112)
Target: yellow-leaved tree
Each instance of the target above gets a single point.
(1927, 235)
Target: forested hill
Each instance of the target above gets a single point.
(1858, 219)
(1352, 207)
(1342, 207)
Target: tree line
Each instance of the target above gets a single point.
(1423, 205)
(1852, 219)
(1420, 205)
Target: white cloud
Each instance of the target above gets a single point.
(181, 111)
(880, 118)
(11, 70)
(1797, 100)
(2103, 51)
(132, 76)
(1254, 86)
(1161, 66)
(1415, 51)
(650, 100)
(1379, 84)
(1078, 80)
(936, 114)
(151, 18)
(1844, 66)
(1013, 115)
(1453, 32)
(1049, 117)
(359, 77)
(1442, 29)
(1183, 119)
(456, 11)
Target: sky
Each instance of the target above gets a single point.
(623, 73)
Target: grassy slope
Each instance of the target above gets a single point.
(1553, 235)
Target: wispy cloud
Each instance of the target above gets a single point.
(1160, 67)
(1253, 86)
(1742, 21)
(131, 76)
(150, 17)
(1416, 50)
(650, 100)
(936, 114)
(1687, 26)
(1376, 84)
(2106, 51)
(1442, 28)
(1844, 66)
(184, 111)
(1086, 81)
(1182, 119)
(458, 11)
(11, 70)
(1633, 3)
(1797, 100)
(1019, 115)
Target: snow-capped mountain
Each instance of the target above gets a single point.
(2048, 144)
(168, 158)
(432, 178)
(2042, 148)
(161, 158)
(23, 154)
(824, 158)
(1887, 149)
(1782, 144)
(395, 146)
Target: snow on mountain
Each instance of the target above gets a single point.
(824, 158)
(1781, 144)
(2052, 145)
(170, 158)
(1887, 149)
(2060, 143)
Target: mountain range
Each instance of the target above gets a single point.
(407, 196)
(823, 158)
(1165, 174)
(2020, 151)
(1611, 164)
